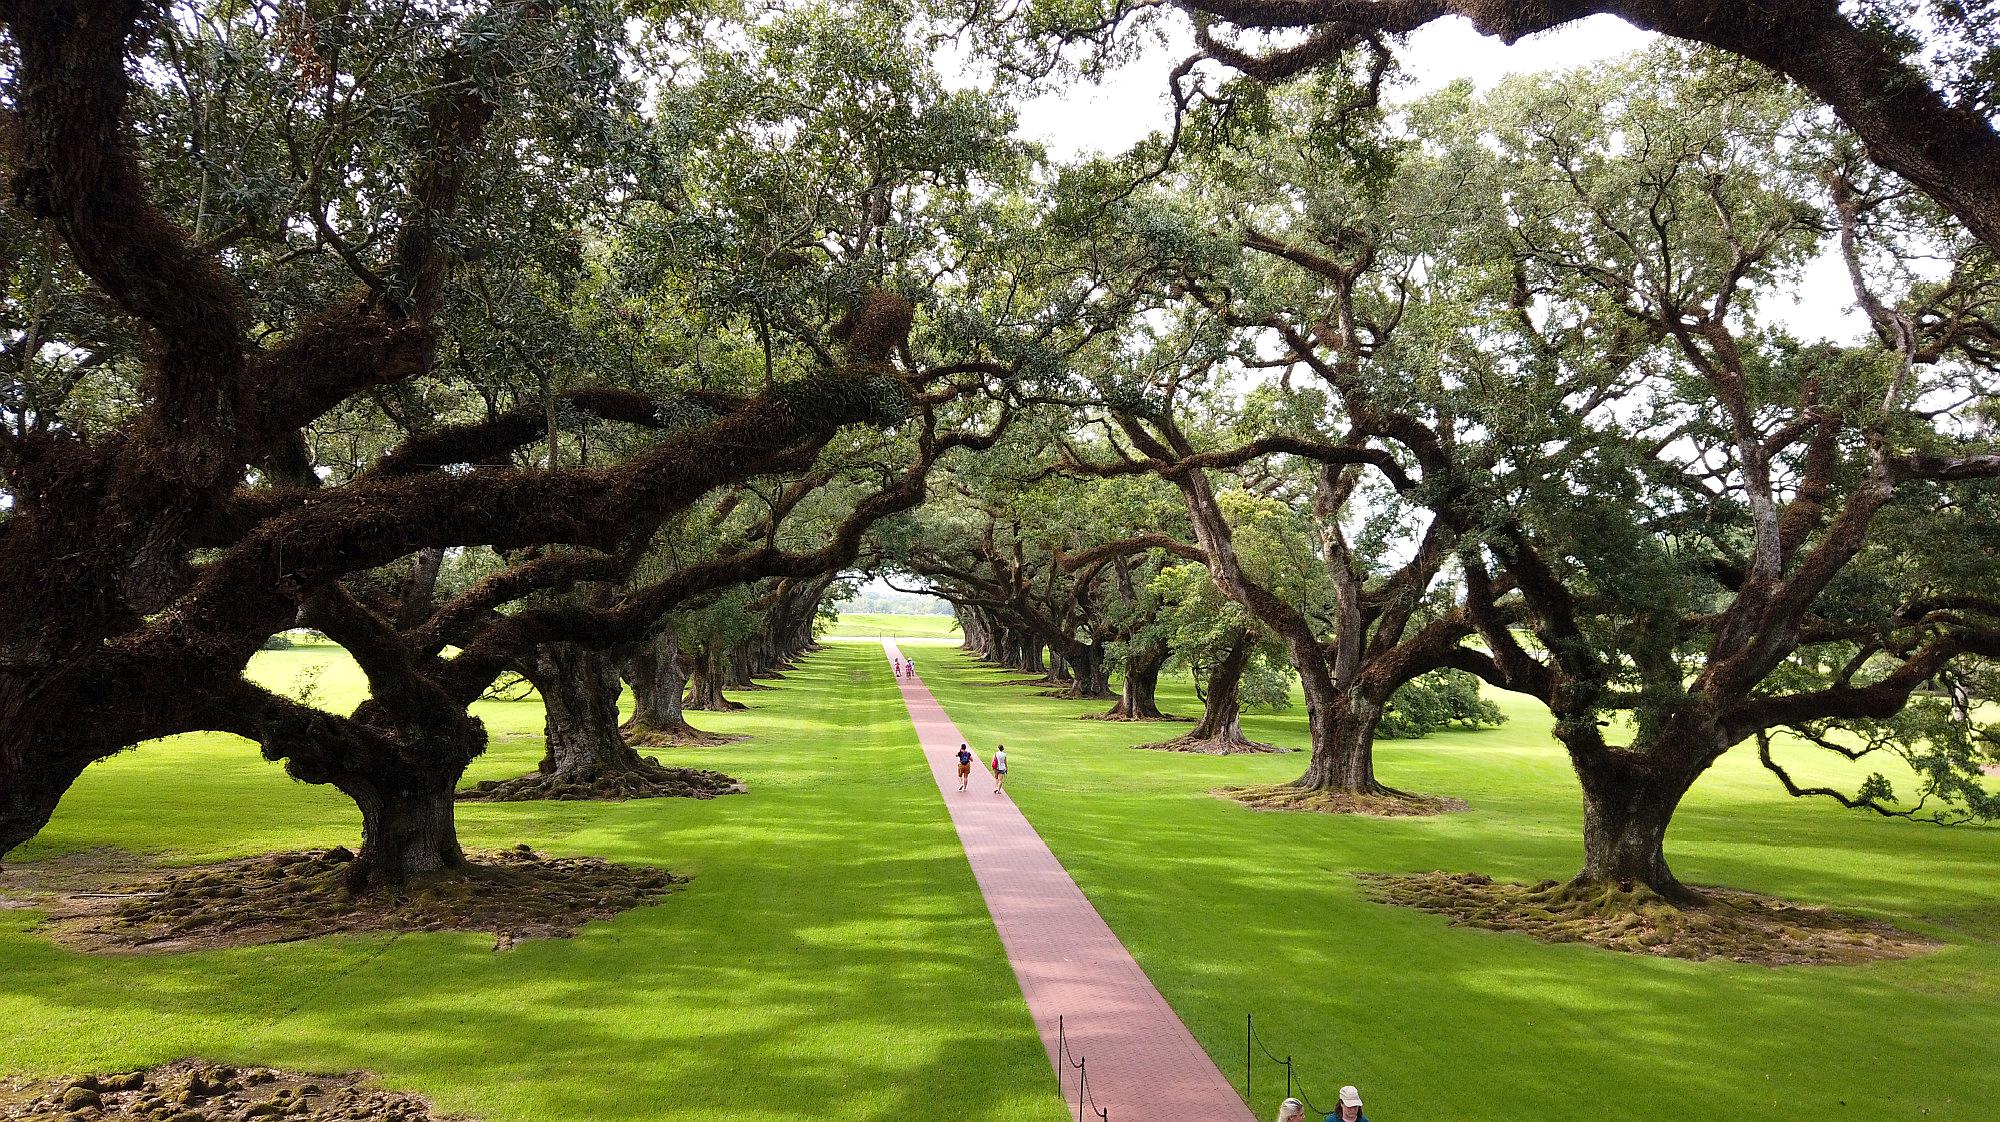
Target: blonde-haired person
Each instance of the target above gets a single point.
(1291, 1110)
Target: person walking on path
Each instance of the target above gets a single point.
(999, 767)
(964, 766)
(1350, 1107)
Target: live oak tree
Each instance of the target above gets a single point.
(151, 550)
(830, 156)
(1716, 547)
(1283, 256)
(1918, 81)
(149, 556)
(1232, 659)
(1036, 560)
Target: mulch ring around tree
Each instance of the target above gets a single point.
(1213, 746)
(1741, 926)
(516, 894)
(1284, 796)
(649, 781)
(686, 736)
(193, 1091)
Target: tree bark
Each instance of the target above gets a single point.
(1090, 675)
(36, 781)
(409, 823)
(580, 689)
(1628, 803)
(1222, 699)
(1138, 696)
(654, 672)
(1220, 730)
(705, 684)
(586, 757)
(1342, 725)
(1028, 654)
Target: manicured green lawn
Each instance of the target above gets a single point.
(856, 624)
(1233, 911)
(831, 959)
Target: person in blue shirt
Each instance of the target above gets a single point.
(964, 766)
(1350, 1107)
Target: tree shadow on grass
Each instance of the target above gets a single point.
(830, 957)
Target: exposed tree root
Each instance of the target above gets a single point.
(649, 780)
(685, 736)
(278, 898)
(1164, 718)
(1213, 746)
(1718, 923)
(1012, 681)
(1387, 804)
(193, 1091)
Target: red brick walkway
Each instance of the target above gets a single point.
(1144, 1064)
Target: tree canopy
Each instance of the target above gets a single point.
(584, 341)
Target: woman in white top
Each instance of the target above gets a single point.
(999, 767)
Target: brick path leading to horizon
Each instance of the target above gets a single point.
(1144, 1065)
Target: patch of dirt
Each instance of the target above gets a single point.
(1164, 718)
(39, 884)
(1284, 796)
(516, 894)
(1740, 926)
(687, 736)
(193, 1091)
(649, 781)
(1013, 682)
(1214, 746)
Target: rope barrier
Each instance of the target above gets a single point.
(1294, 1088)
(1077, 1064)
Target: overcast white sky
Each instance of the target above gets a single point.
(1109, 117)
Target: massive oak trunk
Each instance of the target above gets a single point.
(586, 756)
(409, 824)
(1090, 674)
(34, 784)
(1220, 730)
(705, 683)
(1342, 724)
(1629, 799)
(580, 689)
(1138, 696)
(1222, 695)
(653, 670)
(1028, 653)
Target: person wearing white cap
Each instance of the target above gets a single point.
(1291, 1110)
(1350, 1107)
